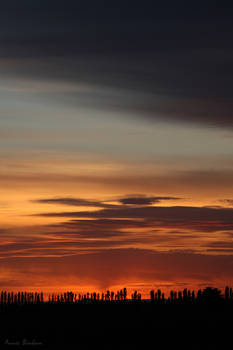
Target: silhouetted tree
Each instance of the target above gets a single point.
(172, 296)
(199, 294)
(135, 295)
(163, 297)
(211, 295)
(152, 295)
(107, 296)
(125, 293)
(227, 293)
(185, 295)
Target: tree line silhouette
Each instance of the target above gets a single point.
(124, 317)
(209, 294)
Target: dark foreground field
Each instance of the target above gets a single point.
(117, 325)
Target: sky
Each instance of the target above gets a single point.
(116, 145)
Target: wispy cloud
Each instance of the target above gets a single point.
(144, 200)
(77, 202)
(227, 201)
(138, 199)
(206, 219)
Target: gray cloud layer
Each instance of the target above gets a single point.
(172, 62)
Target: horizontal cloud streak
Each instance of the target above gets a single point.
(201, 218)
(80, 202)
(190, 180)
(227, 201)
(143, 200)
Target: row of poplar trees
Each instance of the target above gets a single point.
(121, 295)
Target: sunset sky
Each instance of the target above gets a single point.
(116, 134)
